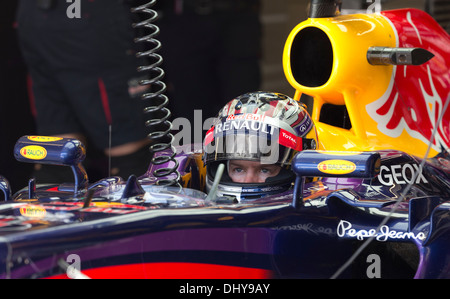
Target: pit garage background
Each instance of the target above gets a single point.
(278, 18)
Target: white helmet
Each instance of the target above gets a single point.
(269, 128)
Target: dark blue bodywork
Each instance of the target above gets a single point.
(135, 229)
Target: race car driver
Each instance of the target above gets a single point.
(256, 136)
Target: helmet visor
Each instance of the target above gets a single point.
(248, 137)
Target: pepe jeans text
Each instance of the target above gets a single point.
(345, 228)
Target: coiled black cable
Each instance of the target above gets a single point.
(159, 124)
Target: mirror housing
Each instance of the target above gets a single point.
(55, 151)
(316, 163)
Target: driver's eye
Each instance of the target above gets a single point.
(237, 169)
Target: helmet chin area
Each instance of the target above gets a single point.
(248, 191)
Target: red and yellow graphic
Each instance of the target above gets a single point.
(33, 211)
(389, 106)
(44, 138)
(33, 152)
(336, 167)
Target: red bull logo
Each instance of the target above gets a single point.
(391, 105)
(246, 116)
(414, 102)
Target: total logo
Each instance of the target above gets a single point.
(400, 174)
(33, 152)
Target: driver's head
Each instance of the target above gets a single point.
(245, 171)
(256, 136)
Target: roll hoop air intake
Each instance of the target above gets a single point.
(324, 8)
(159, 124)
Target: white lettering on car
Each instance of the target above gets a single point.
(400, 175)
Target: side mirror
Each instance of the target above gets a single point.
(312, 163)
(5, 187)
(56, 151)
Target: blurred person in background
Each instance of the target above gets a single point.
(81, 58)
(211, 51)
